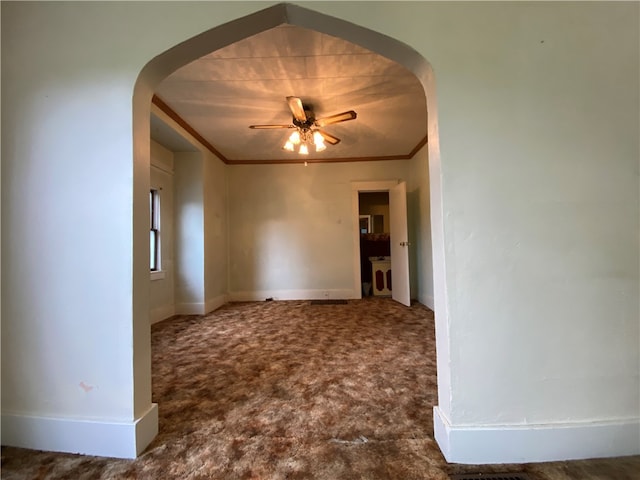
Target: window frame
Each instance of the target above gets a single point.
(155, 258)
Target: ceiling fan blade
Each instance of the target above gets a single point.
(339, 117)
(271, 126)
(329, 138)
(295, 105)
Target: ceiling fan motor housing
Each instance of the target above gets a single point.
(310, 118)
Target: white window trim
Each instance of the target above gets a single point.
(158, 274)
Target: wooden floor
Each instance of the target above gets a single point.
(290, 390)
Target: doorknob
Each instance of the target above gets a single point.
(405, 244)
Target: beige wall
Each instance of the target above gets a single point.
(189, 228)
(201, 232)
(291, 227)
(200, 239)
(419, 208)
(215, 232)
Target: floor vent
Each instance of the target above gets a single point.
(492, 476)
(328, 302)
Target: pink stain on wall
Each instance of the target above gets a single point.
(85, 387)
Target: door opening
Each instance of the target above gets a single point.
(381, 246)
(375, 244)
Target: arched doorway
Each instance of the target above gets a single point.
(163, 65)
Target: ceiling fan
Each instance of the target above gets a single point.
(308, 127)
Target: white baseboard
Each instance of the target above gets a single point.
(200, 308)
(535, 443)
(215, 303)
(261, 295)
(87, 437)
(190, 308)
(146, 428)
(161, 313)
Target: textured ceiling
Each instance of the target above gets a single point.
(221, 94)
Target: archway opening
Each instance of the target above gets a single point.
(163, 65)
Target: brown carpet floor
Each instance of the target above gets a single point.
(289, 390)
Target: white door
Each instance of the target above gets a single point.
(399, 244)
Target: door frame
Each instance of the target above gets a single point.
(356, 188)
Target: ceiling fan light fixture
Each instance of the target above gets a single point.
(318, 141)
(294, 138)
(308, 128)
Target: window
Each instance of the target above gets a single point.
(154, 233)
